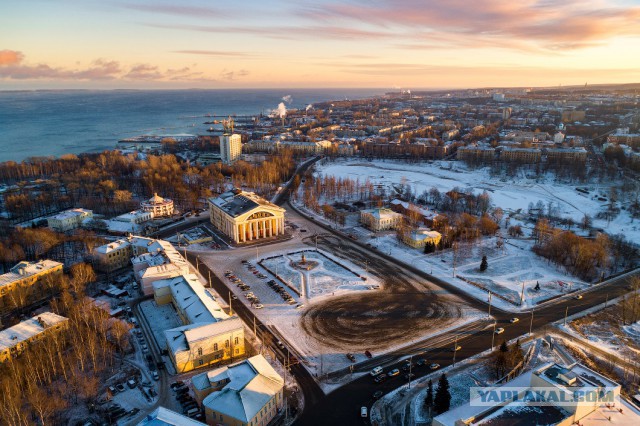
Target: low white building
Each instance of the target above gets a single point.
(160, 207)
(68, 220)
(249, 393)
(135, 217)
(380, 219)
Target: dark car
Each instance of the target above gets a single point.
(176, 384)
(351, 358)
(368, 354)
(378, 394)
(381, 378)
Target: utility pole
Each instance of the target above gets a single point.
(566, 312)
(230, 310)
(606, 301)
(522, 294)
(254, 327)
(493, 336)
(209, 278)
(531, 323)
(455, 350)
(410, 367)
(490, 305)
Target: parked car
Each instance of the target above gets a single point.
(258, 306)
(155, 375)
(132, 383)
(120, 387)
(368, 354)
(351, 358)
(578, 297)
(176, 384)
(363, 412)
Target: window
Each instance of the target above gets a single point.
(199, 351)
(215, 346)
(237, 340)
(226, 343)
(200, 362)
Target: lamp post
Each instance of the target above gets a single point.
(493, 336)
(531, 323)
(455, 350)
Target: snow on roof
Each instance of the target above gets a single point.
(382, 213)
(26, 269)
(253, 383)
(28, 328)
(156, 200)
(192, 298)
(236, 202)
(165, 417)
(192, 335)
(71, 213)
(423, 234)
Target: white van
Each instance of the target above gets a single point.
(376, 371)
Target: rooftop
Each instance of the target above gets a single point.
(236, 202)
(165, 417)
(28, 328)
(252, 383)
(26, 269)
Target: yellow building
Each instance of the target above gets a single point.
(420, 237)
(16, 339)
(249, 393)
(244, 216)
(208, 335)
(521, 155)
(27, 282)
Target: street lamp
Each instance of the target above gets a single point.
(455, 350)
(493, 336)
(531, 323)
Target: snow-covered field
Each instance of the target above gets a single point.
(510, 194)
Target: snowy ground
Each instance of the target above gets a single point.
(511, 194)
(475, 371)
(325, 276)
(319, 357)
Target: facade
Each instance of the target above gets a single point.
(566, 155)
(208, 335)
(135, 217)
(481, 154)
(16, 339)
(230, 147)
(249, 393)
(552, 385)
(26, 283)
(521, 155)
(160, 207)
(112, 256)
(68, 220)
(420, 237)
(380, 219)
(573, 115)
(244, 216)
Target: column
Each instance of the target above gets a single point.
(270, 227)
(248, 224)
(255, 229)
(243, 228)
(236, 233)
(275, 223)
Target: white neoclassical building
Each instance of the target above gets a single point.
(158, 206)
(245, 216)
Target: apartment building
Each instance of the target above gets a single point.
(26, 283)
(16, 339)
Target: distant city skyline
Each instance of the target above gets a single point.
(406, 44)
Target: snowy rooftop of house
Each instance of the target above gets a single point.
(112, 246)
(28, 328)
(25, 269)
(423, 234)
(237, 202)
(71, 213)
(179, 338)
(574, 376)
(165, 417)
(156, 200)
(131, 216)
(570, 149)
(252, 383)
(406, 205)
(192, 298)
(382, 213)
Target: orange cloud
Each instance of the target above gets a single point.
(10, 57)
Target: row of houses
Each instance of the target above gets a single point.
(486, 154)
(384, 219)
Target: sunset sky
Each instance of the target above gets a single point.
(325, 43)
